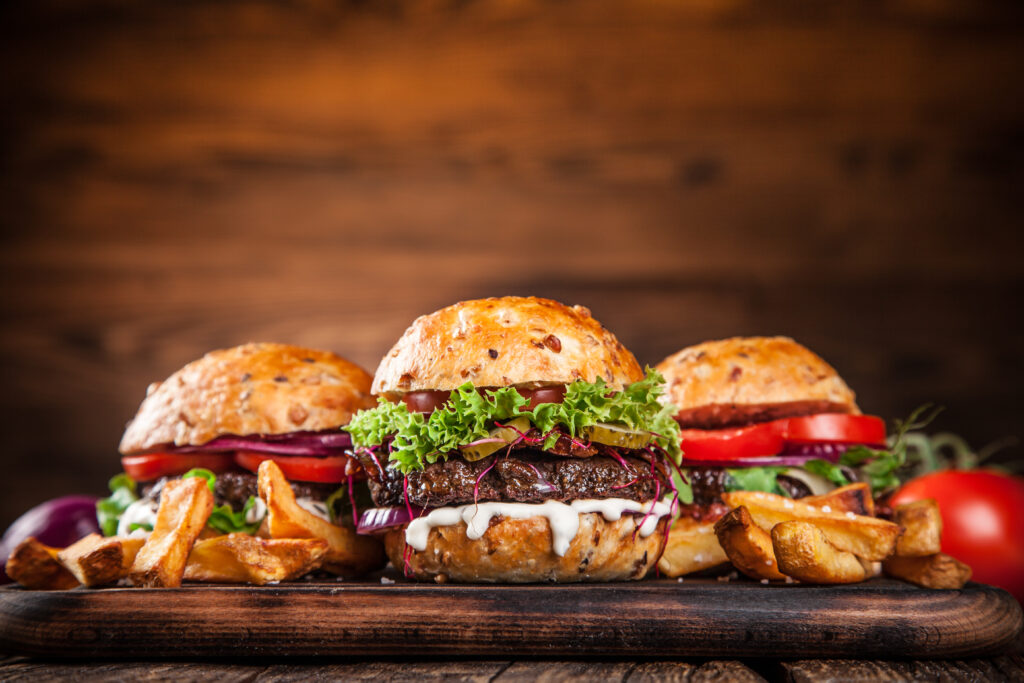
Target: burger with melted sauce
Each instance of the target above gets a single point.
(516, 440)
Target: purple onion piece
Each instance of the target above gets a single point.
(316, 444)
(378, 519)
(58, 522)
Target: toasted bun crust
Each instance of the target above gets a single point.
(508, 341)
(751, 379)
(519, 551)
(250, 389)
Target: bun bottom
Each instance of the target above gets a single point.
(520, 551)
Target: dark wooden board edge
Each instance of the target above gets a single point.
(876, 619)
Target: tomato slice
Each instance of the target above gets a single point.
(326, 470)
(835, 428)
(727, 444)
(155, 465)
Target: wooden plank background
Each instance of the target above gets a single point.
(182, 176)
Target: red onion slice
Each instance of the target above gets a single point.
(295, 443)
(379, 519)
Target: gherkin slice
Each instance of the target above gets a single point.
(507, 434)
(619, 436)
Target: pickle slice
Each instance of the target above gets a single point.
(616, 435)
(507, 435)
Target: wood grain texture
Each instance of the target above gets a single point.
(650, 618)
(178, 177)
(1009, 668)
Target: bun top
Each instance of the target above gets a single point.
(752, 379)
(250, 389)
(507, 341)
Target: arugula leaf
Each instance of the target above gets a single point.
(470, 415)
(755, 479)
(110, 509)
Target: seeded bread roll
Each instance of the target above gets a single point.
(250, 389)
(752, 379)
(519, 551)
(508, 341)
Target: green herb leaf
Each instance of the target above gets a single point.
(829, 470)
(684, 489)
(470, 415)
(110, 509)
(755, 479)
(201, 473)
(226, 520)
(334, 504)
(135, 525)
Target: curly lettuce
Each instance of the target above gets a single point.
(418, 440)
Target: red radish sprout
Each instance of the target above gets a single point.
(476, 486)
(351, 497)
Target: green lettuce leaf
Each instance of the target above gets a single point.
(469, 415)
(110, 509)
(829, 470)
(755, 479)
(224, 518)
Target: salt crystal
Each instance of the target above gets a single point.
(788, 504)
(386, 580)
(851, 515)
(826, 508)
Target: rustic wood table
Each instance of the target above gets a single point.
(1009, 667)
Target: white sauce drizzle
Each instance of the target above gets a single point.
(257, 512)
(140, 512)
(564, 519)
(315, 507)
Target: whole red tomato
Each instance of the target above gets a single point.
(982, 519)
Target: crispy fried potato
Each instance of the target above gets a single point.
(804, 553)
(867, 537)
(932, 571)
(97, 561)
(348, 553)
(34, 565)
(692, 546)
(748, 546)
(855, 498)
(185, 505)
(241, 558)
(922, 526)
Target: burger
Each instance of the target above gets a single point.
(767, 414)
(222, 415)
(516, 440)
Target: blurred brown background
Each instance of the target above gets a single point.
(180, 176)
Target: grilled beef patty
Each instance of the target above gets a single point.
(236, 487)
(525, 476)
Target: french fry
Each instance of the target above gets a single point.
(931, 571)
(692, 547)
(34, 565)
(97, 561)
(748, 546)
(347, 554)
(855, 498)
(922, 525)
(241, 558)
(185, 505)
(804, 553)
(867, 537)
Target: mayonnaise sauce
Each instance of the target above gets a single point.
(315, 507)
(140, 512)
(564, 519)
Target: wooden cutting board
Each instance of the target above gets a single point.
(695, 618)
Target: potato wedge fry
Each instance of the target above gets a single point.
(241, 558)
(348, 553)
(855, 498)
(97, 561)
(804, 553)
(867, 537)
(748, 546)
(185, 505)
(34, 565)
(692, 547)
(922, 526)
(932, 571)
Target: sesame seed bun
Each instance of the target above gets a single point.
(251, 389)
(508, 341)
(751, 379)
